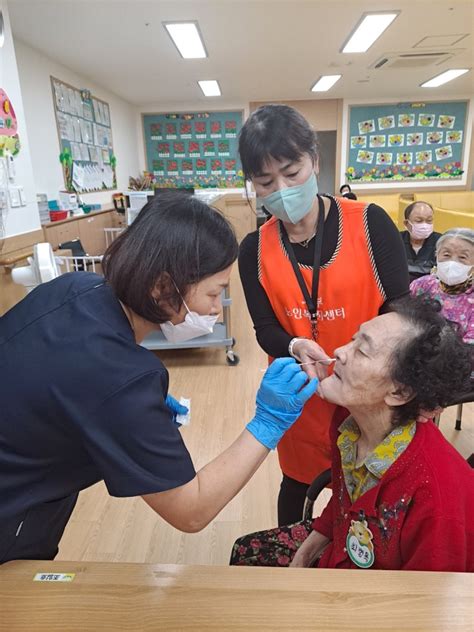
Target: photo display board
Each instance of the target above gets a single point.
(406, 142)
(193, 149)
(85, 138)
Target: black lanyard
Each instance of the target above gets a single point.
(310, 299)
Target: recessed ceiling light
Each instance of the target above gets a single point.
(325, 82)
(369, 29)
(187, 39)
(444, 77)
(210, 88)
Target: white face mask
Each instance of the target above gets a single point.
(193, 326)
(452, 272)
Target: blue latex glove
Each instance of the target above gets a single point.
(175, 407)
(280, 399)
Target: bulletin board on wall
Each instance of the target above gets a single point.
(407, 142)
(193, 149)
(85, 139)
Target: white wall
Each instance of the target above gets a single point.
(35, 70)
(21, 219)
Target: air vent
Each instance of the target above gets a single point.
(411, 60)
(440, 41)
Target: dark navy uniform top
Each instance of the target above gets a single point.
(80, 401)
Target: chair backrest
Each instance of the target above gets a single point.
(320, 482)
(77, 250)
(75, 246)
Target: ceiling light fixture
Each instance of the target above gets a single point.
(325, 83)
(210, 88)
(444, 77)
(187, 39)
(368, 30)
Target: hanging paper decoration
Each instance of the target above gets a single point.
(9, 139)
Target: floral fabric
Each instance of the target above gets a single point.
(272, 547)
(458, 308)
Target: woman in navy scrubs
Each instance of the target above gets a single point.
(82, 401)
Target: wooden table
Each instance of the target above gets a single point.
(116, 597)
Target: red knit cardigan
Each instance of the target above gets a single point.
(421, 513)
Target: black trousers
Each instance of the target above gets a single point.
(291, 501)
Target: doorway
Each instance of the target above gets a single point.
(327, 161)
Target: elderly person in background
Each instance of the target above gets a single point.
(419, 239)
(451, 283)
(347, 193)
(403, 497)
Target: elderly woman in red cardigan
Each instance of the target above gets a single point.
(403, 497)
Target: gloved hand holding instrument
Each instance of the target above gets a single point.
(280, 399)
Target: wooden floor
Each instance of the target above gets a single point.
(103, 528)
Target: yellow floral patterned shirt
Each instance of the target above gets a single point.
(360, 479)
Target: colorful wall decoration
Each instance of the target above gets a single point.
(85, 138)
(194, 149)
(9, 139)
(406, 142)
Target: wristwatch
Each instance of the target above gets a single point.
(293, 341)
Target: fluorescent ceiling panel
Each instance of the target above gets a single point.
(325, 83)
(187, 39)
(444, 77)
(210, 88)
(368, 30)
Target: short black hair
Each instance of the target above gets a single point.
(175, 241)
(433, 363)
(345, 186)
(276, 131)
(411, 206)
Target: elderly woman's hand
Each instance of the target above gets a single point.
(310, 550)
(313, 358)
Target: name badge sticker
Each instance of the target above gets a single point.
(359, 544)
(54, 577)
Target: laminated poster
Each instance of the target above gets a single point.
(358, 142)
(415, 139)
(384, 158)
(377, 141)
(444, 152)
(424, 157)
(446, 121)
(426, 120)
(406, 120)
(455, 136)
(365, 127)
(434, 138)
(365, 156)
(396, 140)
(404, 158)
(386, 122)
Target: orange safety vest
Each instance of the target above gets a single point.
(350, 293)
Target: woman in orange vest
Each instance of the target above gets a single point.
(312, 274)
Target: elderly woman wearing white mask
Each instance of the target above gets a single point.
(451, 282)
